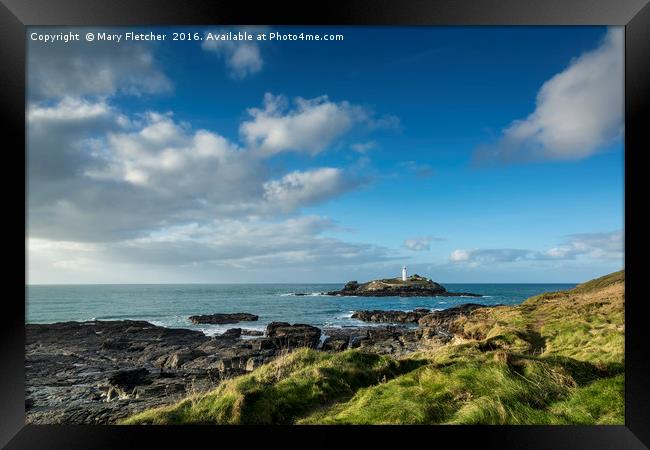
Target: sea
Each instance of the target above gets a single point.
(170, 305)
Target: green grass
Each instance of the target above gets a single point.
(557, 358)
(282, 390)
(519, 390)
(600, 283)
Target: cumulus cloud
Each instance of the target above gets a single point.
(61, 136)
(307, 187)
(169, 157)
(98, 175)
(419, 244)
(596, 246)
(578, 111)
(100, 68)
(309, 127)
(242, 58)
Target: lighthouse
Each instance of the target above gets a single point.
(403, 273)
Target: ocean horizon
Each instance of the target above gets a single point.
(170, 305)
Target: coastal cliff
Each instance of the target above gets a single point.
(413, 286)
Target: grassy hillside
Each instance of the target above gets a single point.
(555, 359)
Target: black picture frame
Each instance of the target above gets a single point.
(15, 15)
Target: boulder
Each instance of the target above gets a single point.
(284, 335)
(232, 333)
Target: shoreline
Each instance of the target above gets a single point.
(105, 370)
(133, 371)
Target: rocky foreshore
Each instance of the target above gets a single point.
(101, 371)
(414, 286)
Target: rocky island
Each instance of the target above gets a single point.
(413, 286)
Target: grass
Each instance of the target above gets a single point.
(282, 390)
(557, 358)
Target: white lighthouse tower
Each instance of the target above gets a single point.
(403, 273)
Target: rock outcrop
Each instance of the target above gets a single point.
(439, 323)
(219, 319)
(98, 372)
(414, 286)
(284, 335)
(391, 316)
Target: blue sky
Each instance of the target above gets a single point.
(470, 154)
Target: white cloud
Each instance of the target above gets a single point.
(97, 175)
(488, 256)
(169, 157)
(240, 243)
(421, 243)
(243, 58)
(224, 246)
(578, 111)
(307, 187)
(309, 127)
(76, 69)
(459, 255)
(594, 246)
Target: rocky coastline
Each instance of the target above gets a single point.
(99, 372)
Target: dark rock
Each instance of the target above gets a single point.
(128, 379)
(335, 344)
(246, 332)
(232, 333)
(393, 340)
(439, 324)
(181, 357)
(284, 335)
(262, 344)
(76, 370)
(223, 318)
(391, 316)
